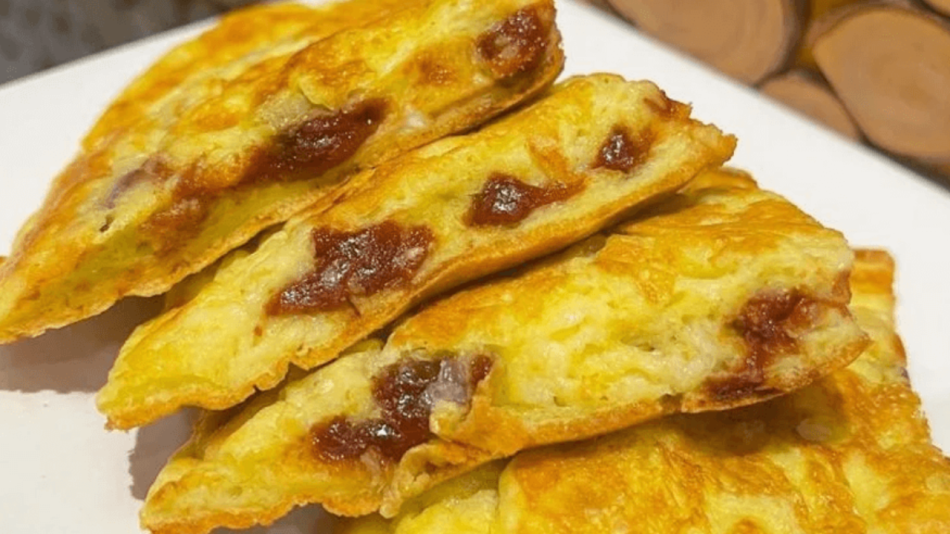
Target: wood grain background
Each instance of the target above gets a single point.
(876, 71)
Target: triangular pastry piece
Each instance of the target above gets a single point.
(227, 136)
(264, 30)
(725, 296)
(850, 454)
(532, 183)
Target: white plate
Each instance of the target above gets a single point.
(61, 472)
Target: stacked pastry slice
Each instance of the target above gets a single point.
(722, 296)
(849, 454)
(463, 207)
(287, 178)
(252, 122)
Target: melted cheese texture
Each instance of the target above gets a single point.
(253, 121)
(849, 454)
(651, 319)
(555, 145)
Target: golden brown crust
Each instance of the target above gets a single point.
(876, 275)
(217, 142)
(421, 202)
(555, 374)
(849, 454)
(655, 255)
(237, 34)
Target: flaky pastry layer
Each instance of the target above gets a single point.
(529, 184)
(721, 296)
(851, 454)
(260, 117)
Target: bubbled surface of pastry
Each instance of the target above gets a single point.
(721, 296)
(460, 208)
(239, 129)
(329, 437)
(851, 453)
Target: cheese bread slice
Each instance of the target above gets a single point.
(726, 295)
(226, 136)
(530, 184)
(850, 454)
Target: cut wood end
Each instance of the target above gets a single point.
(746, 39)
(813, 98)
(943, 6)
(818, 11)
(891, 67)
(825, 14)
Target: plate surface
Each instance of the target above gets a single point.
(62, 472)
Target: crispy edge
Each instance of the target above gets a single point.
(461, 118)
(716, 151)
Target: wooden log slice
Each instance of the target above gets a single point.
(818, 11)
(746, 39)
(812, 97)
(891, 69)
(827, 15)
(942, 6)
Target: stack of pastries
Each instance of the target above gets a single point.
(566, 316)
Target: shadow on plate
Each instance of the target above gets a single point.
(76, 358)
(155, 444)
(306, 520)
